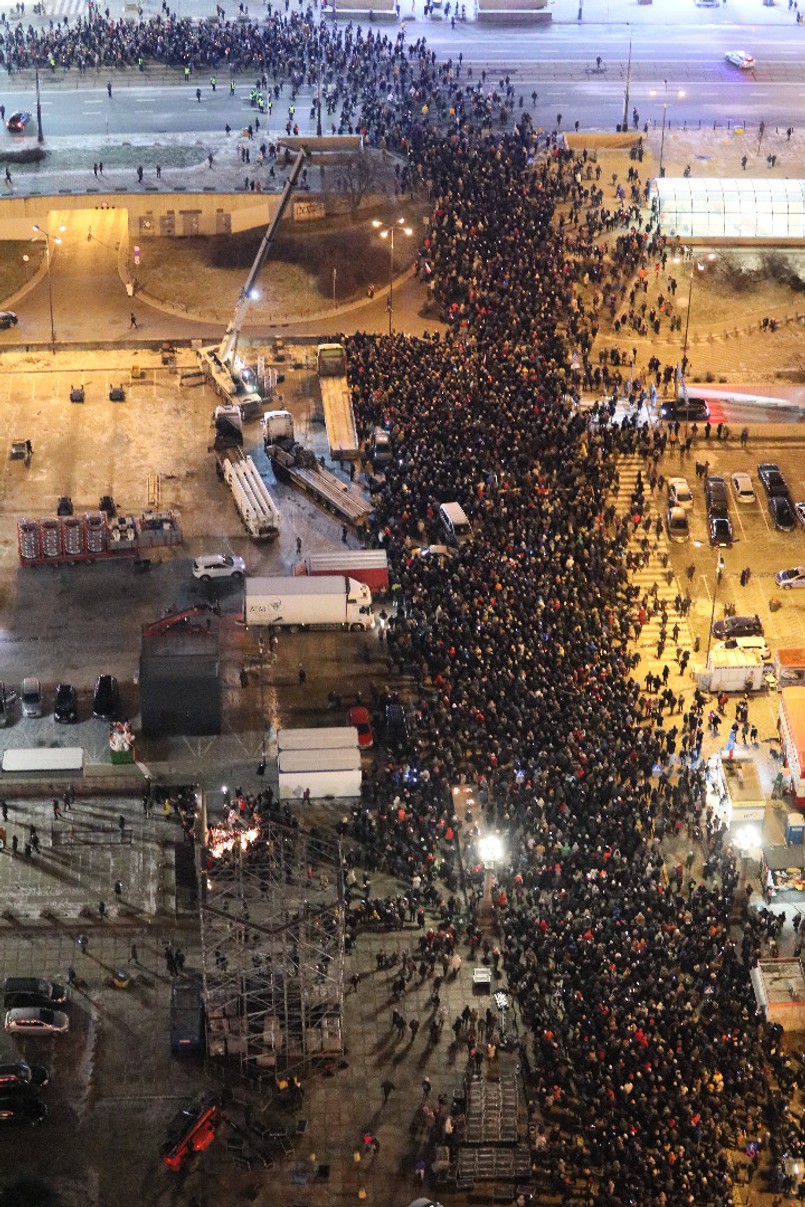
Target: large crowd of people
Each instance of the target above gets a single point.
(639, 1002)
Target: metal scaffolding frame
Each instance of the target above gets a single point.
(272, 933)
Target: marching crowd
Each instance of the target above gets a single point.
(636, 992)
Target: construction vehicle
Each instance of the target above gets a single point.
(339, 417)
(192, 1130)
(195, 619)
(232, 379)
(293, 463)
(255, 506)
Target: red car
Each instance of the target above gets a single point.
(359, 717)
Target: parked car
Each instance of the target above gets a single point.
(790, 578)
(36, 1020)
(742, 487)
(676, 522)
(32, 991)
(31, 697)
(106, 698)
(715, 495)
(65, 704)
(738, 626)
(679, 493)
(359, 717)
(758, 644)
(719, 530)
(6, 699)
(678, 408)
(740, 58)
(21, 1076)
(7, 319)
(782, 513)
(799, 509)
(21, 1109)
(773, 481)
(218, 565)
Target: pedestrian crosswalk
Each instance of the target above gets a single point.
(54, 10)
(655, 579)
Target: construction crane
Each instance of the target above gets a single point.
(233, 380)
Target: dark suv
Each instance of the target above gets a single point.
(715, 493)
(395, 726)
(31, 991)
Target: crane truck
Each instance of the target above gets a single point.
(234, 381)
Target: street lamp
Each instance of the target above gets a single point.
(48, 240)
(680, 94)
(720, 567)
(388, 232)
(695, 267)
(625, 126)
(39, 135)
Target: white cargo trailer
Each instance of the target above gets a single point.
(333, 737)
(327, 602)
(321, 772)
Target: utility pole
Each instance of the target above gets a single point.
(662, 140)
(625, 124)
(39, 135)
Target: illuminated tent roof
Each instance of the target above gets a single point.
(734, 208)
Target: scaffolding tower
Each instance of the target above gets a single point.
(272, 931)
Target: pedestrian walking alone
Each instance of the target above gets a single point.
(133, 321)
(387, 1087)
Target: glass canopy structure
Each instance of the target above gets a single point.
(738, 208)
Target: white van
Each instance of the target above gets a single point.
(759, 644)
(453, 519)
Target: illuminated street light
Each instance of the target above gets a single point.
(388, 232)
(490, 849)
(48, 240)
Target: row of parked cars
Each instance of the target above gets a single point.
(33, 1006)
(784, 512)
(106, 703)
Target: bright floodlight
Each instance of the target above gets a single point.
(490, 848)
(748, 836)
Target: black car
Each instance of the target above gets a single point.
(65, 704)
(782, 513)
(715, 494)
(395, 726)
(738, 626)
(32, 991)
(678, 408)
(21, 1077)
(773, 481)
(18, 121)
(7, 319)
(719, 530)
(18, 1109)
(106, 700)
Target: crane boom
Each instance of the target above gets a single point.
(229, 344)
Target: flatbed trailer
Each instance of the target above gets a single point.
(299, 466)
(339, 416)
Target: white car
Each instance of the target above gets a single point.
(36, 1020)
(790, 578)
(680, 494)
(799, 508)
(759, 644)
(218, 565)
(742, 485)
(739, 58)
